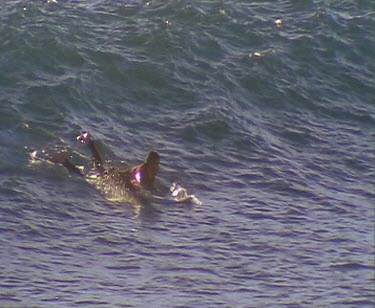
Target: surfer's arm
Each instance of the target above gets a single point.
(87, 138)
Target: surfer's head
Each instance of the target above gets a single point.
(153, 157)
(144, 175)
(152, 163)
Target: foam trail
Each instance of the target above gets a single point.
(181, 195)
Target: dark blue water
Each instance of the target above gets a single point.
(271, 125)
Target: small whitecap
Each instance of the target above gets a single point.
(256, 54)
(278, 22)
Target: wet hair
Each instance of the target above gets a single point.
(153, 157)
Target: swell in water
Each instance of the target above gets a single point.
(270, 125)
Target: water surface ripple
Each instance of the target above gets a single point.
(270, 124)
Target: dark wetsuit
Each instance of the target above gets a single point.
(115, 182)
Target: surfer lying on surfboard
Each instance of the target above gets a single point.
(113, 182)
(118, 183)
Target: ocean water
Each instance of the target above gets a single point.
(264, 110)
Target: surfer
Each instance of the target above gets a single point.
(114, 182)
(117, 183)
(142, 176)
